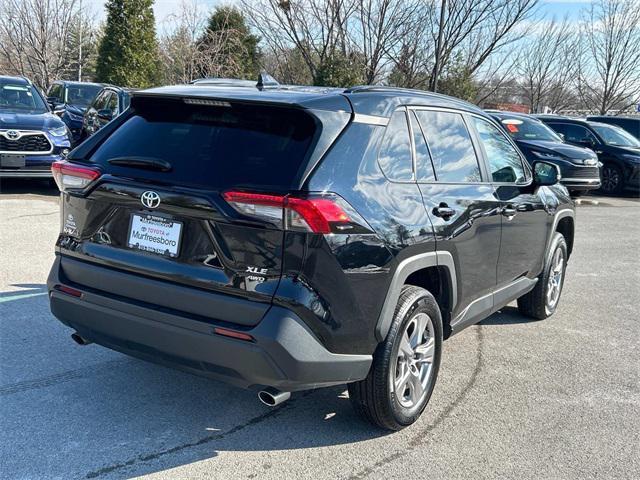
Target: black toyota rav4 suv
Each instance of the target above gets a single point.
(289, 238)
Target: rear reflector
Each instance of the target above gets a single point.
(71, 176)
(317, 214)
(68, 290)
(225, 332)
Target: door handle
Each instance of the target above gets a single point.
(444, 211)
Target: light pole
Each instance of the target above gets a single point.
(80, 44)
(436, 67)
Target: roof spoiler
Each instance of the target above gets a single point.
(265, 81)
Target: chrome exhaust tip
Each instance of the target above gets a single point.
(80, 340)
(272, 397)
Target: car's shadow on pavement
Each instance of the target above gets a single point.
(87, 412)
(507, 316)
(45, 187)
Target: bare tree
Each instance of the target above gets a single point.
(610, 67)
(547, 63)
(179, 46)
(379, 28)
(192, 51)
(316, 29)
(35, 38)
(480, 27)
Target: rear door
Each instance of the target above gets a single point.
(464, 211)
(159, 215)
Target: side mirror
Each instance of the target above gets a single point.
(58, 109)
(545, 173)
(105, 114)
(561, 135)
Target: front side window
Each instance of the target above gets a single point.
(395, 154)
(505, 163)
(454, 158)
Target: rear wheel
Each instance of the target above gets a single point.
(405, 366)
(542, 301)
(611, 179)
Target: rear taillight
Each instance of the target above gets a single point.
(323, 213)
(72, 176)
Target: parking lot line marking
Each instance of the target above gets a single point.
(20, 296)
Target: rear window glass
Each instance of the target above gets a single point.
(215, 146)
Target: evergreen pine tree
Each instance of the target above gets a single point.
(128, 52)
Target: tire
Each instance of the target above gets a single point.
(375, 398)
(612, 181)
(539, 303)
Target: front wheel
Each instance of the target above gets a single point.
(405, 366)
(611, 180)
(542, 301)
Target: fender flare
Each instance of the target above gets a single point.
(405, 268)
(560, 214)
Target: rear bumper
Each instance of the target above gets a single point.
(284, 355)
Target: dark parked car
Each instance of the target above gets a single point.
(618, 151)
(629, 124)
(108, 104)
(31, 136)
(70, 100)
(292, 238)
(578, 165)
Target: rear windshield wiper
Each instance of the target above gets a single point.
(147, 163)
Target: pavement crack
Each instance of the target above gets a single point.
(55, 379)
(271, 413)
(34, 215)
(420, 437)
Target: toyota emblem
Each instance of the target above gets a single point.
(150, 199)
(12, 134)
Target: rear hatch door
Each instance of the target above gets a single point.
(156, 222)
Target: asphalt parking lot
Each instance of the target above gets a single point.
(556, 399)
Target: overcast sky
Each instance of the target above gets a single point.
(164, 8)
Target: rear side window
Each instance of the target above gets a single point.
(395, 154)
(215, 146)
(451, 147)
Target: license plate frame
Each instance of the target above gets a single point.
(10, 160)
(156, 228)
